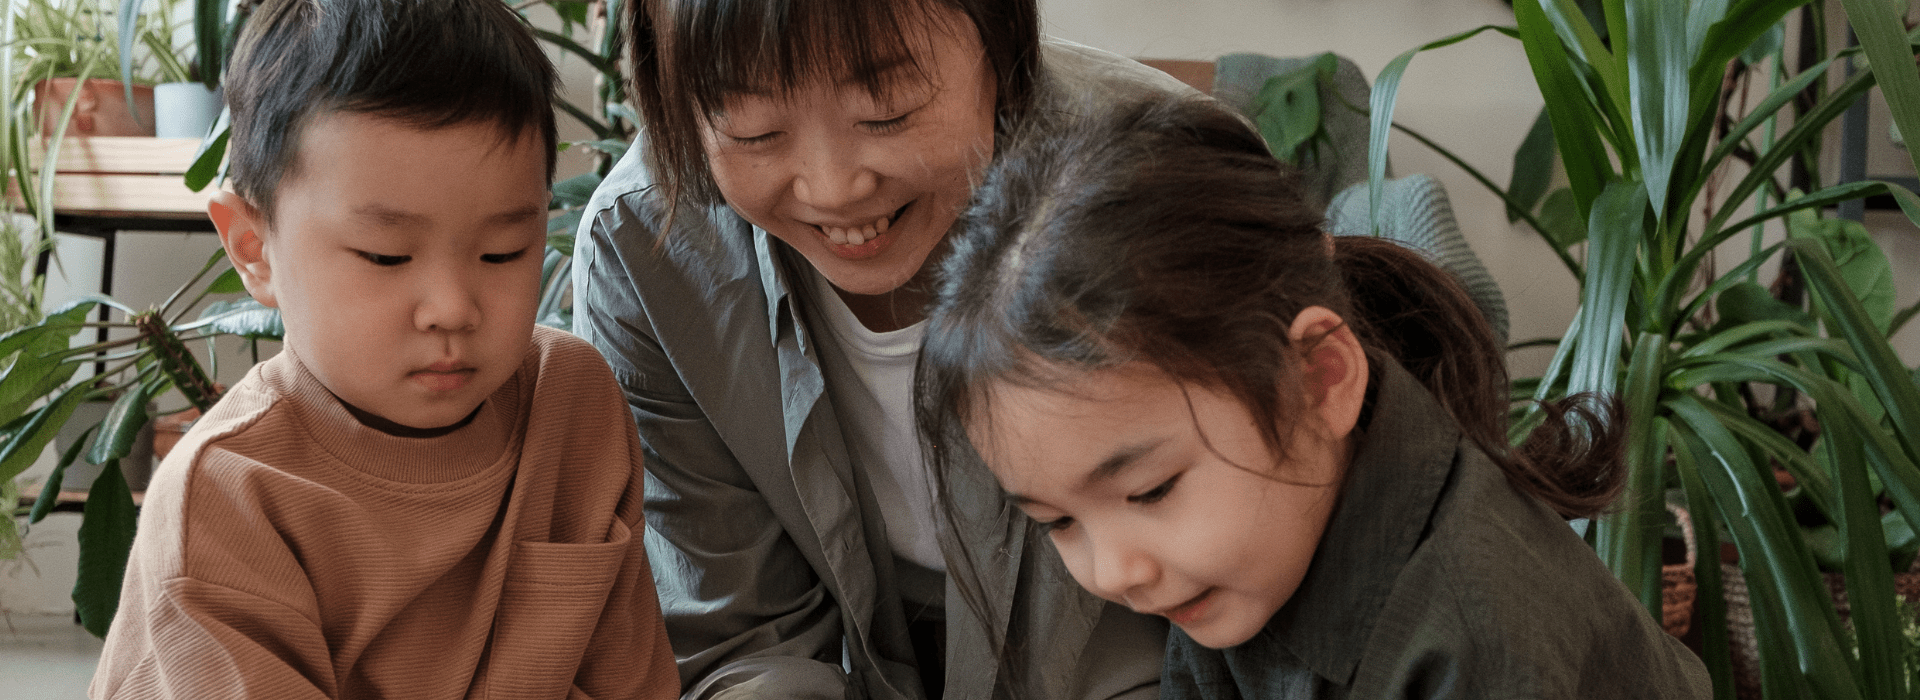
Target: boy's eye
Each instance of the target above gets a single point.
(384, 260)
(1157, 493)
(499, 258)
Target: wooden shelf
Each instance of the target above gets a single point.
(124, 177)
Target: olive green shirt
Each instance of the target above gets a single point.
(1438, 579)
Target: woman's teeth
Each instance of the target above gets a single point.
(855, 236)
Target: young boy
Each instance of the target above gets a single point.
(422, 495)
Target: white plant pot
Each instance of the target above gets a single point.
(184, 110)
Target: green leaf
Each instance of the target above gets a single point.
(1880, 27)
(23, 447)
(1560, 214)
(121, 426)
(227, 283)
(1658, 58)
(560, 229)
(1869, 580)
(613, 147)
(50, 493)
(1386, 88)
(1862, 264)
(1533, 169)
(1629, 537)
(106, 538)
(209, 38)
(1577, 121)
(242, 317)
(1892, 382)
(1620, 212)
(1746, 302)
(213, 150)
(1766, 46)
(1287, 109)
(574, 191)
(1793, 614)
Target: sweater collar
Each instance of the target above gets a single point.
(477, 447)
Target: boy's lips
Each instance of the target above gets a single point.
(445, 375)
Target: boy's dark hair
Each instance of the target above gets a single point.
(689, 55)
(429, 64)
(1165, 232)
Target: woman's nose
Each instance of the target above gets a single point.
(833, 177)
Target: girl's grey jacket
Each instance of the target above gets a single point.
(768, 549)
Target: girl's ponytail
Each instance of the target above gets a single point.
(1405, 306)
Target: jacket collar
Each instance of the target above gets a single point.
(1400, 467)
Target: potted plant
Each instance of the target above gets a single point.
(66, 49)
(1707, 362)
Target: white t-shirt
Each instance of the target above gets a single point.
(876, 405)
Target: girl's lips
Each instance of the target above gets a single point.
(1186, 613)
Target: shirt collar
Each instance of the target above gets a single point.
(1402, 463)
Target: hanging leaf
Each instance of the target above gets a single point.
(1532, 166)
(50, 493)
(121, 426)
(106, 538)
(1560, 214)
(227, 283)
(242, 317)
(574, 191)
(1746, 302)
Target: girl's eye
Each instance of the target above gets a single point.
(1055, 525)
(886, 126)
(384, 260)
(1157, 493)
(501, 258)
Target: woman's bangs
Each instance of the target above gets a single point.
(736, 47)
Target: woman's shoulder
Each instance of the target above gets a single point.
(1081, 78)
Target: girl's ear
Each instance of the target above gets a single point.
(1333, 370)
(242, 233)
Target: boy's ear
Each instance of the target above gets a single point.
(242, 233)
(1333, 370)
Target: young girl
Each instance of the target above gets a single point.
(753, 271)
(1290, 446)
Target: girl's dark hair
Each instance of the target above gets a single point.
(688, 56)
(1165, 232)
(427, 63)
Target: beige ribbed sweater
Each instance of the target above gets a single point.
(287, 551)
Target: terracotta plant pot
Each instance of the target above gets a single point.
(101, 111)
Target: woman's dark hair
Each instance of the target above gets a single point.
(1165, 233)
(426, 63)
(688, 56)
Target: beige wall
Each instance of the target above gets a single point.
(1476, 98)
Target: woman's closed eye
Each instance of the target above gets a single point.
(1155, 494)
(886, 126)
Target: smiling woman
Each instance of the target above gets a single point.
(755, 272)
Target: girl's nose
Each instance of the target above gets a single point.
(1121, 567)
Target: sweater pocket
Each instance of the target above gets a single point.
(550, 606)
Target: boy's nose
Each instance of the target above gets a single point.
(831, 178)
(446, 308)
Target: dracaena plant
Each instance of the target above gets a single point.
(39, 392)
(1706, 362)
